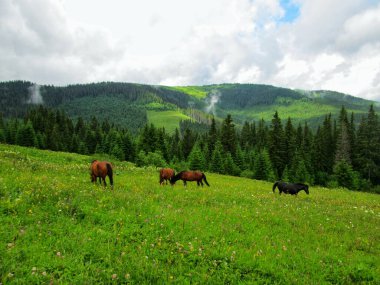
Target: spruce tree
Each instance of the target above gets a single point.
(228, 135)
(216, 164)
(367, 158)
(343, 146)
(188, 142)
(175, 147)
(263, 168)
(262, 135)
(229, 166)
(196, 158)
(212, 136)
(290, 141)
(26, 135)
(277, 147)
(128, 147)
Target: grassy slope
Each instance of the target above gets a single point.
(57, 226)
(297, 111)
(167, 119)
(198, 92)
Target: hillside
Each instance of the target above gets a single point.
(134, 105)
(57, 227)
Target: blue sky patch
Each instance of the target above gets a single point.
(292, 11)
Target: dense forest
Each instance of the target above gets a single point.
(337, 153)
(127, 105)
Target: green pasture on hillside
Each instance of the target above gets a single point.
(166, 119)
(198, 92)
(58, 228)
(297, 111)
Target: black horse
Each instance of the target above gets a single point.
(290, 188)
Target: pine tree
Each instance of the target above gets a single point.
(128, 147)
(290, 142)
(344, 174)
(263, 168)
(196, 158)
(216, 164)
(175, 147)
(343, 147)
(239, 159)
(229, 166)
(212, 136)
(328, 145)
(277, 147)
(367, 158)
(162, 143)
(262, 135)
(188, 142)
(228, 136)
(248, 136)
(26, 135)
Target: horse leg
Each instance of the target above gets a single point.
(184, 183)
(104, 181)
(201, 182)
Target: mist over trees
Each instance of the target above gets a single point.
(336, 154)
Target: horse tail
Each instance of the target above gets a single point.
(160, 176)
(110, 173)
(204, 178)
(274, 186)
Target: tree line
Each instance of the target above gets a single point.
(338, 153)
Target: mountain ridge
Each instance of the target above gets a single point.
(132, 104)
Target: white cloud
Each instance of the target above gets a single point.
(330, 45)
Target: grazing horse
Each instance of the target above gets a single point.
(290, 188)
(101, 169)
(190, 176)
(165, 175)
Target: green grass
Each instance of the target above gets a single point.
(298, 111)
(167, 119)
(57, 227)
(198, 92)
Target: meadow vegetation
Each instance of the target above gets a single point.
(58, 227)
(166, 119)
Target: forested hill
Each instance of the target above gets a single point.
(133, 105)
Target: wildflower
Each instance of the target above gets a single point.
(114, 276)
(127, 276)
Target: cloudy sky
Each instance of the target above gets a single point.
(304, 44)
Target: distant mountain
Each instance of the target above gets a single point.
(133, 105)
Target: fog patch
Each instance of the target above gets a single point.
(35, 95)
(211, 101)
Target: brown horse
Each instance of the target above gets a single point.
(190, 176)
(101, 169)
(165, 175)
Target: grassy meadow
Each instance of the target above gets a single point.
(58, 228)
(166, 119)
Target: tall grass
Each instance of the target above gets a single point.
(58, 227)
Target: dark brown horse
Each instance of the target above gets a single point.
(190, 176)
(101, 169)
(165, 175)
(290, 188)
